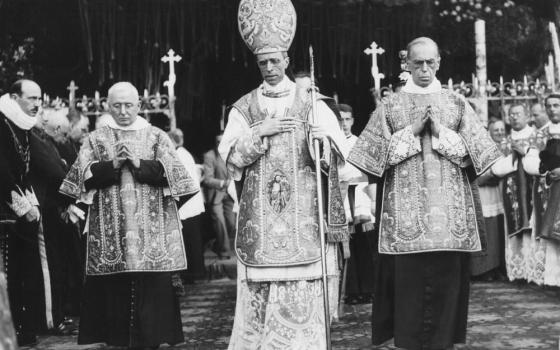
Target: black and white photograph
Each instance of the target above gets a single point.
(280, 174)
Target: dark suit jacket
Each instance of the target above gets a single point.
(215, 172)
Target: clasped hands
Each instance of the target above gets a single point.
(123, 154)
(273, 126)
(420, 124)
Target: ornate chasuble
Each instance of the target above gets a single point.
(278, 216)
(132, 226)
(427, 198)
(546, 196)
(518, 189)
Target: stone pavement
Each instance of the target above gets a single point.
(502, 316)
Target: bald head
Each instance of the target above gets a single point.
(124, 103)
(423, 60)
(27, 94)
(122, 86)
(56, 124)
(79, 129)
(177, 137)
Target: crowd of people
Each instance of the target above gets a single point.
(105, 224)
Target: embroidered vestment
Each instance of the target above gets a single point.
(131, 226)
(427, 201)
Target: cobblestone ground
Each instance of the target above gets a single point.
(502, 316)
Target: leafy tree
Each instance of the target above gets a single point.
(15, 60)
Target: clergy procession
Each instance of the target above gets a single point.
(302, 209)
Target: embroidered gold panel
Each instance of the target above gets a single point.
(132, 226)
(427, 202)
(518, 188)
(278, 221)
(546, 196)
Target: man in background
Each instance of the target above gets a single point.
(517, 192)
(360, 207)
(539, 116)
(191, 214)
(219, 191)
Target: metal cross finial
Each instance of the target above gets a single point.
(375, 50)
(171, 58)
(72, 95)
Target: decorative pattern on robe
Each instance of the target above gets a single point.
(547, 220)
(543, 253)
(278, 223)
(279, 315)
(518, 187)
(427, 202)
(132, 226)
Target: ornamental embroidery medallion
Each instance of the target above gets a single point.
(278, 191)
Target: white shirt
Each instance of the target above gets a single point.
(195, 205)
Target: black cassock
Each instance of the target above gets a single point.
(62, 239)
(131, 308)
(18, 238)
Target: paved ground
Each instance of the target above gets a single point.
(502, 316)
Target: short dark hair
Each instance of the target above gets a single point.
(423, 40)
(519, 104)
(493, 120)
(343, 107)
(16, 87)
(553, 95)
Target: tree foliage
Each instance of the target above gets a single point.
(15, 60)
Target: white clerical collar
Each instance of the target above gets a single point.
(286, 85)
(554, 128)
(545, 126)
(524, 133)
(139, 124)
(13, 112)
(411, 88)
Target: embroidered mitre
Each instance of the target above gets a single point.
(267, 26)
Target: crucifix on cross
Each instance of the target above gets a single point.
(375, 50)
(171, 58)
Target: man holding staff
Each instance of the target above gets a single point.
(278, 245)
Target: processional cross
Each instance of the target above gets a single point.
(72, 95)
(171, 58)
(375, 50)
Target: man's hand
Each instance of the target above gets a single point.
(318, 132)
(225, 184)
(120, 158)
(435, 125)
(124, 152)
(273, 126)
(419, 124)
(554, 174)
(32, 215)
